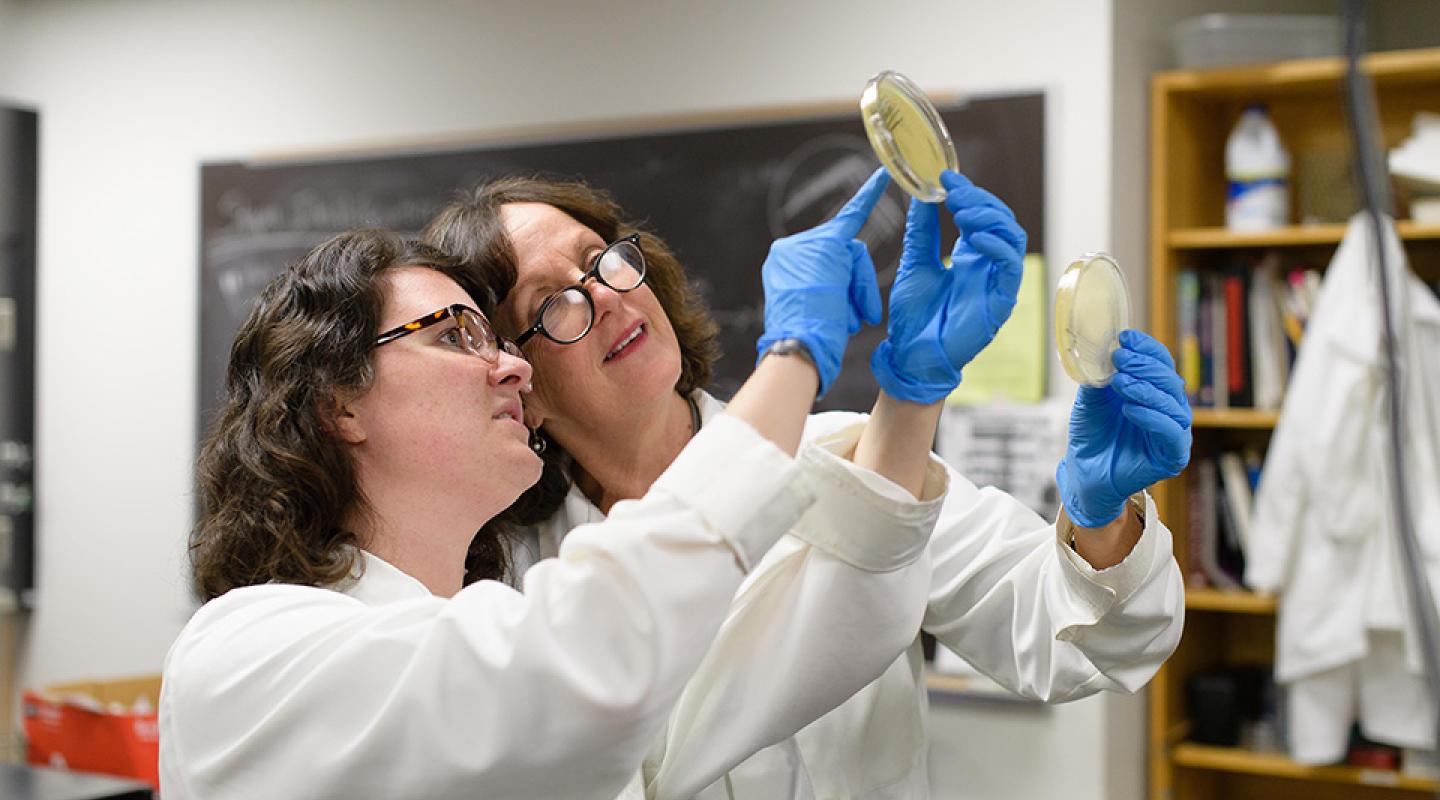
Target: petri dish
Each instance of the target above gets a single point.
(1092, 306)
(906, 132)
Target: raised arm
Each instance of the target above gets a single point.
(940, 319)
(834, 603)
(1095, 601)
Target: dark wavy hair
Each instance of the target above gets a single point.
(470, 228)
(274, 483)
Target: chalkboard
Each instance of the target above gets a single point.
(718, 193)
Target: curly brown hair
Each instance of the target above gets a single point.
(470, 227)
(274, 483)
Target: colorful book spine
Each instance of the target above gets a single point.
(1237, 352)
(1188, 332)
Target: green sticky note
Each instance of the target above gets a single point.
(1012, 367)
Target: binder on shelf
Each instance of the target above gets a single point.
(1235, 480)
(1229, 547)
(1237, 351)
(1209, 543)
(1269, 353)
(1219, 373)
(1187, 289)
(1199, 514)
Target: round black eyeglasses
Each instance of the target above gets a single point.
(567, 315)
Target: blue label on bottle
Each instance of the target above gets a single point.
(1237, 188)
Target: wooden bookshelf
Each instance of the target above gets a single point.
(1302, 76)
(1211, 238)
(1233, 759)
(1232, 602)
(1192, 113)
(1235, 418)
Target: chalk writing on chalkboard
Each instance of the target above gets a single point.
(719, 194)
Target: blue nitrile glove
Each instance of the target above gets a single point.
(941, 318)
(1125, 436)
(820, 284)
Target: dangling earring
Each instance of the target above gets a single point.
(537, 441)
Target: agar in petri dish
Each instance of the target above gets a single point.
(1092, 306)
(906, 132)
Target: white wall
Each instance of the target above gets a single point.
(135, 93)
(6, 23)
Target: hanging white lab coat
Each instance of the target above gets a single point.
(999, 586)
(1324, 536)
(377, 688)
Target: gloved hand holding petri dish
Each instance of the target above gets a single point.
(906, 132)
(1092, 306)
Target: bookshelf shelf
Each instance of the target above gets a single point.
(1233, 602)
(1321, 75)
(1235, 418)
(1213, 238)
(1233, 759)
(1208, 238)
(1192, 112)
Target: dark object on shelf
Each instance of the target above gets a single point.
(1214, 701)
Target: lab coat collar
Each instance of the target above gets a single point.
(543, 540)
(376, 582)
(578, 508)
(1350, 284)
(708, 405)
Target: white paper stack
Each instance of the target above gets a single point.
(1416, 163)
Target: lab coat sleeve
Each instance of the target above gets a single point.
(832, 605)
(1016, 602)
(287, 691)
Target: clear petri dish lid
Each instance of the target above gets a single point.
(906, 132)
(1092, 306)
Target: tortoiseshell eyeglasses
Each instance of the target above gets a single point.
(472, 332)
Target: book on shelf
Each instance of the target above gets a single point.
(1204, 543)
(1187, 322)
(1219, 346)
(1269, 348)
(1230, 545)
(1239, 496)
(1237, 338)
(1220, 506)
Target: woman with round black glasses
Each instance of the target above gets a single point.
(355, 641)
(783, 706)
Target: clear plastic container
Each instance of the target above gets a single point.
(1218, 40)
(907, 134)
(1092, 306)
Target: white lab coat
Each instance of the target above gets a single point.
(380, 689)
(1324, 536)
(999, 587)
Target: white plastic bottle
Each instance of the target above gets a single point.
(1258, 170)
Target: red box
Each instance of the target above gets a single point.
(109, 727)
